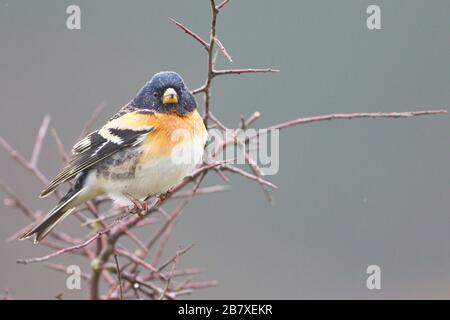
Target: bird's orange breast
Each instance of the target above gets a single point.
(173, 130)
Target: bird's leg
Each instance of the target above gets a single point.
(140, 207)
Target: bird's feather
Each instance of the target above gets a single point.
(127, 130)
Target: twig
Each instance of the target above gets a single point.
(92, 119)
(135, 279)
(181, 273)
(247, 175)
(372, 115)
(222, 175)
(191, 33)
(60, 146)
(222, 49)
(176, 213)
(222, 4)
(74, 247)
(202, 191)
(242, 71)
(61, 251)
(253, 165)
(169, 226)
(119, 276)
(136, 259)
(21, 160)
(199, 90)
(39, 141)
(210, 75)
(247, 123)
(172, 270)
(16, 202)
(178, 254)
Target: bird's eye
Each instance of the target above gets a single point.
(155, 94)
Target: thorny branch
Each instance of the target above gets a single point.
(119, 276)
(137, 277)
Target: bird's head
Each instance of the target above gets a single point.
(166, 92)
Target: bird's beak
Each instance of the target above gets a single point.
(170, 96)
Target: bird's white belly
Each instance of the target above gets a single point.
(158, 178)
(150, 180)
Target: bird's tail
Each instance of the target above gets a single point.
(58, 213)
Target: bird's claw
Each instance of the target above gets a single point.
(164, 196)
(140, 207)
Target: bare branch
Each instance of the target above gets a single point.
(119, 276)
(92, 119)
(247, 175)
(199, 90)
(176, 256)
(60, 146)
(191, 33)
(16, 202)
(136, 280)
(222, 4)
(74, 247)
(242, 71)
(211, 60)
(222, 48)
(61, 251)
(136, 259)
(372, 115)
(202, 191)
(39, 141)
(21, 160)
(174, 265)
(247, 123)
(253, 165)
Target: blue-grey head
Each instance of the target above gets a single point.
(165, 92)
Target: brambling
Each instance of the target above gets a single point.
(149, 146)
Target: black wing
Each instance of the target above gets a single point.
(99, 145)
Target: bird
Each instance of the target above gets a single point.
(150, 145)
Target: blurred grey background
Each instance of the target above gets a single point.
(351, 193)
